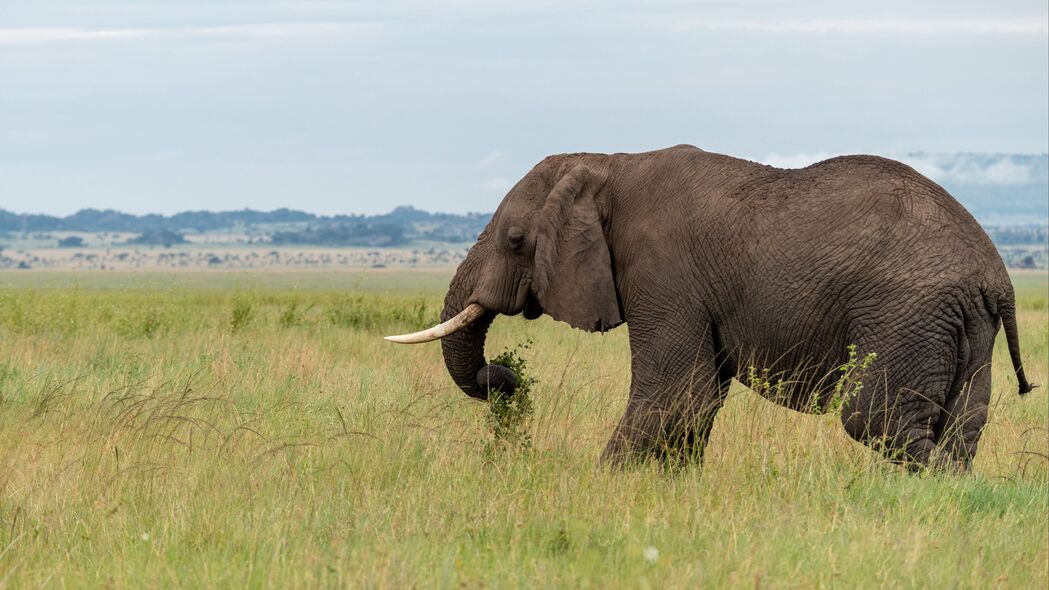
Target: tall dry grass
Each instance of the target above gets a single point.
(199, 435)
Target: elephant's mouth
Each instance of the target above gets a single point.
(462, 338)
(532, 309)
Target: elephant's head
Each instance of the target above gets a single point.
(544, 251)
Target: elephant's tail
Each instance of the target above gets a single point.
(1007, 311)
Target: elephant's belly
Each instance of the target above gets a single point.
(788, 350)
(803, 380)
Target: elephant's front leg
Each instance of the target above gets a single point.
(679, 380)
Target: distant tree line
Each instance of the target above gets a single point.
(158, 237)
(401, 226)
(284, 226)
(1010, 235)
(71, 242)
(95, 220)
(343, 234)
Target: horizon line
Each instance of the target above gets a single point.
(244, 210)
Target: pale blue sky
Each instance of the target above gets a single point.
(340, 107)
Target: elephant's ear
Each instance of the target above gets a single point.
(573, 268)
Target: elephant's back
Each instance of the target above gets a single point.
(872, 185)
(869, 207)
(890, 189)
(855, 226)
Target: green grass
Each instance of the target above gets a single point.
(429, 281)
(153, 435)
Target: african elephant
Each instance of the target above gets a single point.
(719, 264)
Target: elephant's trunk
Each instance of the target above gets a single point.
(464, 350)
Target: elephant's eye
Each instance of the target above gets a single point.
(516, 238)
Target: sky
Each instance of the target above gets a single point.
(356, 107)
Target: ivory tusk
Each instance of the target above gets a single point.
(461, 320)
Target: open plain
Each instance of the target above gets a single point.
(238, 429)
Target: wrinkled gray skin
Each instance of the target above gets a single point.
(719, 264)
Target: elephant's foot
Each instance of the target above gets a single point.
(673, 443)
(917, 451)
(671, 456)
(619, 454)
(633, 442)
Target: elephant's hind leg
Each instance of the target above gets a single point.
(965, 413)
(903, 397)
(964, 419)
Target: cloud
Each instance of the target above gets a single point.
(1034, 25)
(492, 158)
(17, 36)
(303, 29)
(961, 168)
(498, 184)
(998, 169)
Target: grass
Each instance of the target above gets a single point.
(153, 435)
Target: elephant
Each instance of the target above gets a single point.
(720, 265)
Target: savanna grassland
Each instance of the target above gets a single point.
(254, 430)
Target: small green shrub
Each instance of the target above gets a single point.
(138, 321)
(291, 315)
(510, 415)
(242, 310)
(347, 312)
(361, 312)
(850, 380)
(764, 384)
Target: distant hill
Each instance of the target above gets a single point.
(398, 227)
(108, 220)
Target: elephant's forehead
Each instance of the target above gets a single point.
(524, 199)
